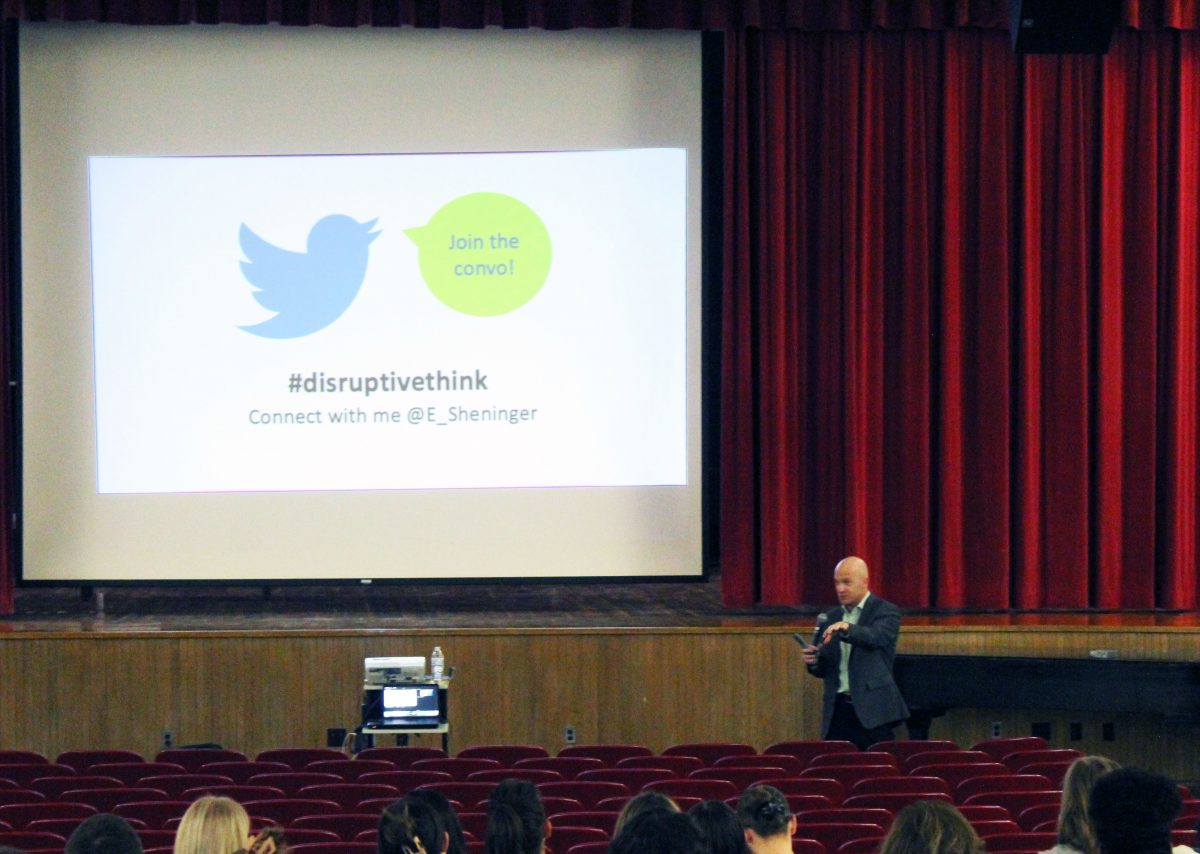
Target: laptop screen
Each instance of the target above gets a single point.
(410, 702)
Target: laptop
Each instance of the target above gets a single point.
(414, 705)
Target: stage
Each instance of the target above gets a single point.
(650, 663)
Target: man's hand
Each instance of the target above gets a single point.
(810, 654)
(831, 632)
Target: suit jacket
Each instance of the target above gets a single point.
(877, 700)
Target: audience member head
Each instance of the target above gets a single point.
(643, 802)
(516, 819)
(720, 830)
(436, 801)
(767, 821)
(213, 825)
(104, 834)
(1132, 811)
(931, 827)
(1074, 826)
(411, 827)
(658, 831)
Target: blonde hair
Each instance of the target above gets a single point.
(213, 825)
(931, 827)
(1074, 826)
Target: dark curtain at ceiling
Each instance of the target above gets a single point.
(959, 319)
(958, 327)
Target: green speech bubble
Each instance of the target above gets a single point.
(484, 254)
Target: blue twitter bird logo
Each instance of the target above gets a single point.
(309, 290)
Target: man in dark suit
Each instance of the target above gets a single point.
(853, 652)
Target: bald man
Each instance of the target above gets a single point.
(853, 653)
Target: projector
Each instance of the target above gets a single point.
(393, 670)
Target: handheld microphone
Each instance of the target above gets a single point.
(822, 620)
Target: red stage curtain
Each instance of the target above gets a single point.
(959, 323)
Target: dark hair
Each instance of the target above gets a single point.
(931, 827)
(643, 802)
(516, 819)
(438, 802)
(1132, 811)
(720, 830)
(658, 831)
(104, 833)
(408, 826)
(764, 810)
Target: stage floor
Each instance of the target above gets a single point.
(457, 606)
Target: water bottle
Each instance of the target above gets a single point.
(437, 662)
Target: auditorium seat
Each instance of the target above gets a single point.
(983, 812)
(468, 794)
(24, 773)
(285, 811)
(865, 757)
(584, 848)
(742, 778)
(848, 775)
(862, 845)
(82, 760)
(823, 786)
(1001, 783)
(106, 799)
(633, 778)
(1016, 802)
(603, 821)
(902, 749)
(402, 757)
(835, 834)
(20, 796)
(801, 845)
(998, 748)
(553, 804)
(8, 784)
(241, 771)
(806, 750)
(709, 752)
(344, 825)
(896, 785)
(1055, 771)
(18, 816)
(507, 755)
(132, 773)
(53, 787)
(155, 814)
(333, 848)
(176, 784)
(681, 766)
(800, 803)
(1031, 817)
(956, 774)
(293, 781)
(945, 757)
(709, 790)
(846, 815)
(61, 826)
(1007, 825)
(1019, 759)
(239, 792)
(349, 795)
(790, 765)
(459, 769)
(609, 754)
(22, 757)
(587, 793)
(1023, 841)
(350, 769)
(405, 781)
(566, 837)
(155, 838)
(533, 775)
(569, 767)
(194, 758)
(894, 801)
(294, 836)
(29, 840)
(297, 758)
